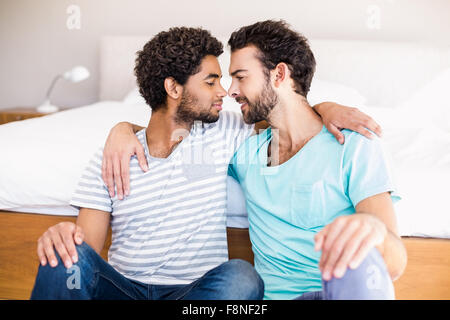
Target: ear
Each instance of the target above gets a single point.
(173, 88)
(280, 74)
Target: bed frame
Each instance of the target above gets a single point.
(427, 275)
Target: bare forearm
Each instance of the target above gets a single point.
(394, 254)
(124, 126)
(95, 224)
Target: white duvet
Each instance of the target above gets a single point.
(42, 159)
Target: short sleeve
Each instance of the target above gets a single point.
(232, 169)
(91, 191)
(234, 128)
(366, 168)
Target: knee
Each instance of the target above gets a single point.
(84, 252)
(244, 279)
(59, 282)
(370, 281)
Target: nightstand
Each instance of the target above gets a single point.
(17, 114)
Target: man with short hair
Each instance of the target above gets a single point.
(305, 192)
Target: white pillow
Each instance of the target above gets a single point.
(431, 103)
(134, 97)
(322, 90)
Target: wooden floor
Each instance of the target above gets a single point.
(427, 275)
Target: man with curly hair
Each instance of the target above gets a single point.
(169, 239)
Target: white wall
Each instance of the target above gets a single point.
(36, 43)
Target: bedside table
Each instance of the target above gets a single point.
(17, 114)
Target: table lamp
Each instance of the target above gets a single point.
(76, 74)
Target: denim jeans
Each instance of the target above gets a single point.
(93, 278)
(370, 281)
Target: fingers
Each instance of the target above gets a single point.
(333, 250)
(362, 252)
(140, 153)
(362, 130)
(355, 120)
(125, 169)
(104, 165)
(79, 235)
(118, 177)
(70, 241)
(108, 175)
(336, 133)
(319, 238)
(349, 251)
(59, 238)
(373, 126)
(60, 247)
(346, 242)
(49, 252)
(364, 122)
(41, 253)
(125, 174)
(333, 230)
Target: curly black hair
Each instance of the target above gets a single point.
(175, 53)
(278, 43)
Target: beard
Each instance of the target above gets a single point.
(260, 109)
(190, 110)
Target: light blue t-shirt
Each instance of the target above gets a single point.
(289, 203)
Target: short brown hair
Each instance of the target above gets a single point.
(278, 43)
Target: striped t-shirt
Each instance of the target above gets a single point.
(171, 229)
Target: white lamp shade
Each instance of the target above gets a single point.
(77, 74)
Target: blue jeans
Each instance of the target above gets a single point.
(93, 278)
(370, 281)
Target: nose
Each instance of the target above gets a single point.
(222, 92)
(233, 91)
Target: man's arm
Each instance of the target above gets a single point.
(337, 117)
(120, 146)
(122, 142)
(95, 224)
(347, 240)
(392, 248)
(91, 226)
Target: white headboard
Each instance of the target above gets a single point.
(386, 73)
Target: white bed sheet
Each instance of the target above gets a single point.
(42, 159)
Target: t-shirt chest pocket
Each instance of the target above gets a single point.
(308, 205)
(198, 163)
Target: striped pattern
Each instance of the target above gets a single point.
(172, 227)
